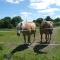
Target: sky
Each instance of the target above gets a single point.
(30, 9)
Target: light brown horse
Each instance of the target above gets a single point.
(46, 27)
(27, 29)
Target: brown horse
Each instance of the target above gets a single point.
(27, 29)
(46, 27)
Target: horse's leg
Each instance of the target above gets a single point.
(34, 35)
(46, 37)
(41, 37)
(50, 37)
(24, 38)
(29, 38)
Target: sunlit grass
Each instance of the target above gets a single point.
(9, 40)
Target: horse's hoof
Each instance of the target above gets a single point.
(41, 42)
(25, 43)
(29, 43)
(46, 41)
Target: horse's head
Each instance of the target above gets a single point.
(19, 28)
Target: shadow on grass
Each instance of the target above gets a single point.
(1, 46)
(1, 35)
(38, 48)
(18, 48)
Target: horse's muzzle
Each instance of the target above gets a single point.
(18, 34)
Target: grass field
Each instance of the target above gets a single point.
(9, 41)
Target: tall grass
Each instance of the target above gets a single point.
(9, 40)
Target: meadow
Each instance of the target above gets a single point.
(9, 41)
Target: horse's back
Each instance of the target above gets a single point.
(29, 26)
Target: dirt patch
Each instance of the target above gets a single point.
(43, 47)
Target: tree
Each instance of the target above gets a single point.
(57, 21)
(16, 20)
(38, 21)
(48, 18)
(1, 24)
(6, 22)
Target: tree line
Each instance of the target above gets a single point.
(8, 22)
(56, 21)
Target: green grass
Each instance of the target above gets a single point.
(9, 40)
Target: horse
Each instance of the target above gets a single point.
(46, 27)
(27, 29)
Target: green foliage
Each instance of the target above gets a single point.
(48, 18)
(38, 21)
(7, 22)
(16, 20)
(56, 22)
